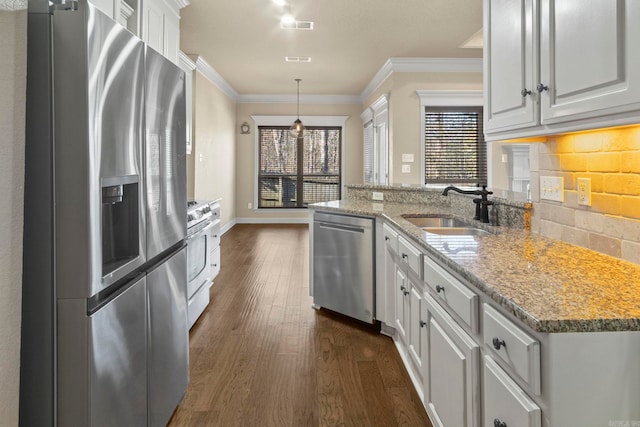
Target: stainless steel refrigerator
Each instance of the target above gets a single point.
(104, 324)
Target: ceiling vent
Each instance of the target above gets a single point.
(297, 25)
(297, 59)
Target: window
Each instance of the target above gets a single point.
(454, 146)
(295, 172)
(375, 143)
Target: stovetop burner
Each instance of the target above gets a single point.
(197, 211)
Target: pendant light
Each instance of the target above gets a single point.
(297, 128)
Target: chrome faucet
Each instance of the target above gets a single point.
(482, 204)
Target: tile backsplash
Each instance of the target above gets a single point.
(611, 158)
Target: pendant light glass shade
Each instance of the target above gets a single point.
(297, 128)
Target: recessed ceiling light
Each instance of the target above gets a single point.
(287, 19)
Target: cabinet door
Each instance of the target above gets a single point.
(509, 64)
(390, 286)
(154, 29)
(505, 404)
(589, 58)
(451, 365)
(415, 330)
(401, 298)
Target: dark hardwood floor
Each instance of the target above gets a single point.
(262, 356)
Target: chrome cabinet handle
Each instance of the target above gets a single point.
(402, 288)
(497, 343)
(423, 323)
(498, 423)
(524, 92)
(439, 288)
(386, 238)
(540, 87)
(404, 256)
(405, 292)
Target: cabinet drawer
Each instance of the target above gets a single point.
(513, 346)
(449, 290)
(390, 238)
(505, 404)
(410, 255)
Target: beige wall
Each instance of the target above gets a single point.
(213, 159)
(611, 158)
(13, 38)
(245, 167)
(404, 114)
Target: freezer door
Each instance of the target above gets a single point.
(168, 337)
(102, 360)
(166, 188)
(118, 360)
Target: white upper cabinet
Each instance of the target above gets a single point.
(555, 66)
(589, 58)
(510, 65)
(161, 26)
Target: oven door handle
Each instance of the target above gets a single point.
(200, 231)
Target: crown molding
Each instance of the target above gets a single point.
(304, 99)
(421, 65)
(185, 61)
(391, 65)
(182, 3)
(212, 75)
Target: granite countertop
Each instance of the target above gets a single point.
(549, 285)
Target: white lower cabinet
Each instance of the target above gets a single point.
(451, 367)
(476, 364)
(402, 304)
(415, 326)
(505, 404)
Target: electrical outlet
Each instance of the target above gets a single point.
(407, 158)
(584, 191)
(376, 195)
(552, 188)
(406, 168)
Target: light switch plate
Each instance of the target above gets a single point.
(376, 195)
(406, 168)
(552, 188)
(407, 158)
(584, 191)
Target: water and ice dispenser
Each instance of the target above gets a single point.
(120, 216)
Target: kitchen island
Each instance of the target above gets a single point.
(505, 328)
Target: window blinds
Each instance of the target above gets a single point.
(454, 146)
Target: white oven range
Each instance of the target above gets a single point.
(199, 243)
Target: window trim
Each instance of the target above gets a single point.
(448, 98)
(260, 120)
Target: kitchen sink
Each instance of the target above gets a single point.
(456, 231)
(435, 221)
(445, 226)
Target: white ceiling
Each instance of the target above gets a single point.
(352, 39)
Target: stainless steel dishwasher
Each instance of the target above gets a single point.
(343, 264)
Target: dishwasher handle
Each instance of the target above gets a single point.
(342, 227)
